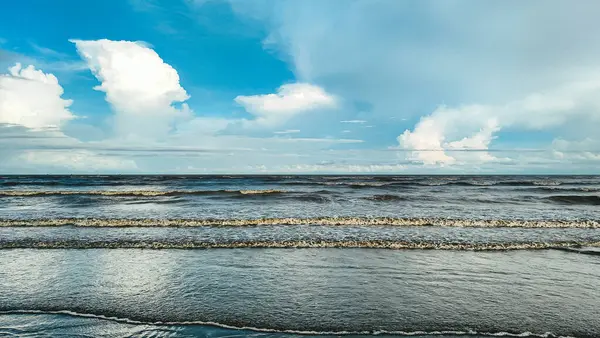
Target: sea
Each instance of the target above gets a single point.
(299, 256)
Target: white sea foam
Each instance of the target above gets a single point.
(286, 244)
(328, 221)
(298, 332)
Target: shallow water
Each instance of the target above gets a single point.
(312, 290)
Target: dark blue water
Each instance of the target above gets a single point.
(185, 256)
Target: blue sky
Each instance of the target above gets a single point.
(299, 86)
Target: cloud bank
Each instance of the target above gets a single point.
(530, 69)
(472, 127)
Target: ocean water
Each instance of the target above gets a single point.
(273, 256)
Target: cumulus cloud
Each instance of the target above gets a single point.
(472, 127)
(426, 139)
(139, 85)
(33, 99)
(32, 116)
(430, 136)
(290, 100)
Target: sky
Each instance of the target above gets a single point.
(299, 87)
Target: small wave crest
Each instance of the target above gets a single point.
(292, 244)
(258, 192)
(327, 221)
(375, 332)
(134, 193)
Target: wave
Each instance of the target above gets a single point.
(385, 198)
(575, 199)
(321, 196)
(316, 198)
(82, 181)
(415, 183)
(295, 244)
(142, 196)
(257, 192)
(565, 189)
(484, 183)
(348, 184)
(292, 332)
(135, 193)
(327, 221)
(351, 182)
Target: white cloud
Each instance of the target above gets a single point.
(32, 114)
(140, 86)
(289, 131)
(479, 140)
(472, 127)
(32, 98)
(290, 100)
(426, 138)
(585, 150)
(353, 121)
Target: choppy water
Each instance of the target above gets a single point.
(240, 197)
(310, 255)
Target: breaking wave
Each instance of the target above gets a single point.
(24, 193)
(328, 221)
(290, 244)
(283, 331)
